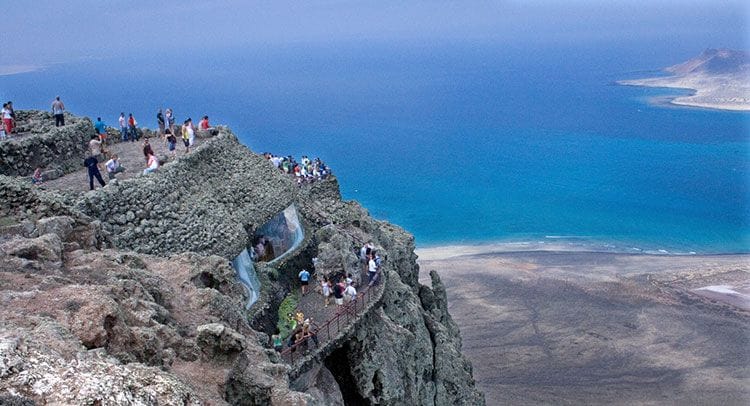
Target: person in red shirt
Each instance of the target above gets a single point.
(203, 124)
(132, 127)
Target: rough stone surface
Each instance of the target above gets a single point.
(203, 202)
(125, 295)
(41, 144)
(408, 350)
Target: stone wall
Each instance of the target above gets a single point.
(58, 150)
(205, 202)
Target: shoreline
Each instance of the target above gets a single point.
(675, 83)
(452, 251)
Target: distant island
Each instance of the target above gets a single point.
(719, 77)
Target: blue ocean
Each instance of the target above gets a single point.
(459, 143)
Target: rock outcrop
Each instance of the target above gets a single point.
(126, 295)
(59, 150)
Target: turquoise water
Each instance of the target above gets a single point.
(460, 143)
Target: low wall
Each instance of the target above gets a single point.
(205, 202)
(57, 149)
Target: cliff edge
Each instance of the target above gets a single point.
(127, 294)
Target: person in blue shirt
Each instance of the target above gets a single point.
(101, 129)
(304, 278)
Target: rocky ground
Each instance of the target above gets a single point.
(600, 328)
(86, 325)
(126, 295)
(131, 157)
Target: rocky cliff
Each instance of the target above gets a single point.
(125, 295)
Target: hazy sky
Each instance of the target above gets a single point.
(42, 32)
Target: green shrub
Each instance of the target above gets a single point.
(288, 305)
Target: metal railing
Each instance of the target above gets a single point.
(344, 316)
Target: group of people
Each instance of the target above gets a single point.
(305, 170)
(9, 120)
(300, 331)
(128, 127)
(343, 290)
(166, 122)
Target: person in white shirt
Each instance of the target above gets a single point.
(114, 167)
(123, 126)
(58, 110)
(351, 292)
(152, 165)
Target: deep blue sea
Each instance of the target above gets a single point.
(461, 142)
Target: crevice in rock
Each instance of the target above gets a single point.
(338, 364)
(433, 343)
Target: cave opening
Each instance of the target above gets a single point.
(338, 364)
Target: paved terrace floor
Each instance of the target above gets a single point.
(131, 157)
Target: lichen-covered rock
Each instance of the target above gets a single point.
(57, 149)
(216, 339)
(60, 225)
(41, 373)
(203, 202)
(47, 248)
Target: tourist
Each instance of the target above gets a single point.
(203, 124)
(170, 120)
(372, 269)
(58, 110)
(132, 128)
(350, 292)
(364, 253)
(325, 288)
(3, 136)
(92, 164)
(152, 164)
(95, 147)
(7, 119)
(304, 278)
(101, 129)
(37, 178)
(295, 336)
(338, 294)
(276, 340)
(299, 317)
(171, 142)
(147, 150)
(113, 167)
(160, 122)
(123, 127)
(12, 113)
(188, 135)
(308, 333)
(378, 271)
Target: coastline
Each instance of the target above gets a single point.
(708, 93)
(554, 244)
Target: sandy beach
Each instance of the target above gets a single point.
(558, 326)
(708, 92)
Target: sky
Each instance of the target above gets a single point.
(46, 32)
